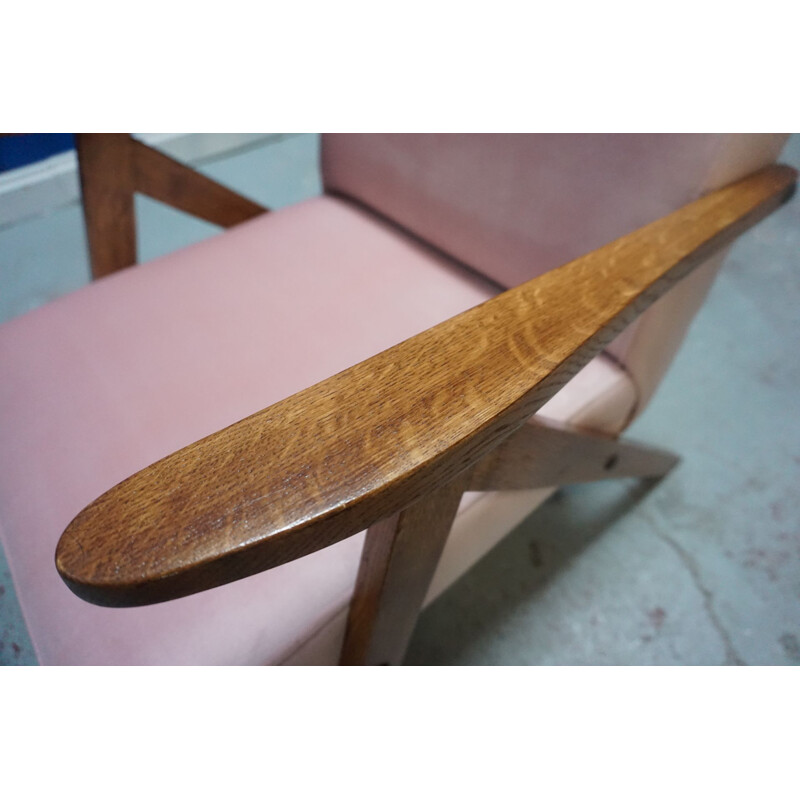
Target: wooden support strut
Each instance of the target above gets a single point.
(547, 453)
(401, 553)
(113, 166)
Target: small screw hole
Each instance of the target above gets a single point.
(611, 462)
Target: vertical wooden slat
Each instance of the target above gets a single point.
(399, 558)
(106, 170)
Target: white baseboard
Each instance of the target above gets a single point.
(51, 183)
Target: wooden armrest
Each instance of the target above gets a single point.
(361, 445)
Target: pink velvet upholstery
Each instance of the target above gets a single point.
(104, 381)
(513, 206)
(101, 383)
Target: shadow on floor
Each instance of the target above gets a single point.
(520, 568)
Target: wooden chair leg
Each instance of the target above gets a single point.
(401, 552)
(397, 565)
(106, 171)
(544, 453)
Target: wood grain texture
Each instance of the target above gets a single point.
(105, 164)
(399, 558)
(359, 447)
(164, 179)
(546, 453)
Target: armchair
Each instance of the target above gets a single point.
(315, 528)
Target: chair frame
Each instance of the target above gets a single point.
(113, 166)
(391, 444)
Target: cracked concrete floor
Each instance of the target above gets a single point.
(702, 568)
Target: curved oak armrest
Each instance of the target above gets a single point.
(333, 459)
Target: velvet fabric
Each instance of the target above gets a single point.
(513, 206)
(103, 382)
(99, 384)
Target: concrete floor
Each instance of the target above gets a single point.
(702, 568)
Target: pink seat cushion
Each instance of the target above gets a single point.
(105, 381)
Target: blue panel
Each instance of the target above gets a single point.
(17, 151)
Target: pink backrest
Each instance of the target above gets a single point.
(513, 206)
